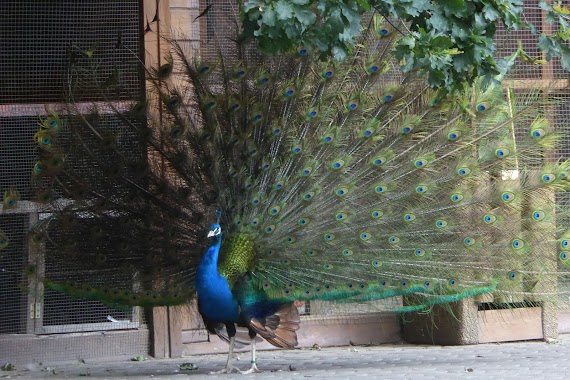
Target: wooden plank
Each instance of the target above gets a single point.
(160, 348)
(175, 330)
(337, 330)
(564, 322)
(523, 84)
(510, 325)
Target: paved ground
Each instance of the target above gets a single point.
(524, 360)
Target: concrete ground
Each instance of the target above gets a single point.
(524, 360)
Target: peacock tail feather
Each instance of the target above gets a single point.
(333, 180)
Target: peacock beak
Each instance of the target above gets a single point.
(211, 234)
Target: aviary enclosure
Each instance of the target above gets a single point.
(39, 325)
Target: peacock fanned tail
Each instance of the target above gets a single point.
(333, 180)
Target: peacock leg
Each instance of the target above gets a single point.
(253, 367)
(229, 367)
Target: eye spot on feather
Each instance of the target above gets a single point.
(328, 266)
(373, 69)
(346, 252)
(468, 241)
(296, 149)
(406, 129)
(517, 244)
(452, 282)
(481, 107)
(409, 217)
(538, 215)
(404, 283)
(441, 223)
(453, 135)
(376, 214)
(538, 133)
(456, 197)
(564, 256)
(341, 192)
(507, 196)
(393, 240)
(329, 237)
(303, 221)
(337, 164)
(421, 189)
(420, 163)
(388, 97)
(341, 216)
(502, 152)
(365, 236)
(266, 285)
(352, 105)
(327, 73)
(278, 185)
(313, 113)
(270, 229)
(302, 51)
(290, 239)
(489, 218)
(376, 263)
(384, 283)
(564, 243)
(308, 196)
(548, 178)
(420, 252)
(311, 252)
(512, 276)
(463, 171)
(384, 31)
(378, 161)
(276, 131)
(289, 91)
(380, 189)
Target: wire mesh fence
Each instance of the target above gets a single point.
(42, 42)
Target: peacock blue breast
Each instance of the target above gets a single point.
(215, 298)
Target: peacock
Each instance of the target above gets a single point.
(249, 182)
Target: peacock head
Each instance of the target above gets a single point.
(215, 232)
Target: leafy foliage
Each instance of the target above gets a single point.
(451, 41)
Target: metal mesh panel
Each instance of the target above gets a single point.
(13, 260)
(42, 44)
(18, 152)
(39, 38)
(508, 42)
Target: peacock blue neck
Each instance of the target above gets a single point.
(215, 298)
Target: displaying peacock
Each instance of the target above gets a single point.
(318, 180)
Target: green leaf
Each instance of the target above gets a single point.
(364, 4)
(284, 10)
(268, 17)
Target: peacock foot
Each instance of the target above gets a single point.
(253, 369)
(229, 369)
